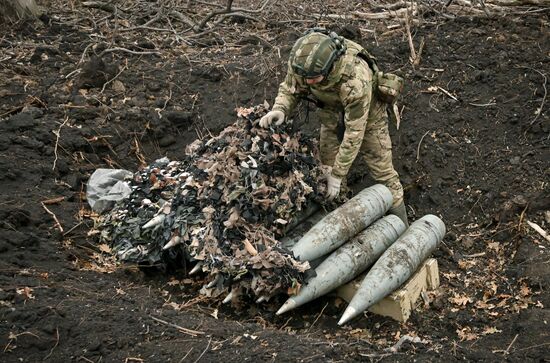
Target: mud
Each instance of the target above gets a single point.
(473, 148)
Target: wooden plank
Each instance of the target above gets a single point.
(399, 304)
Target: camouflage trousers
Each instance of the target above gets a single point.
(375, 147)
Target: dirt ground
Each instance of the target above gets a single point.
(473, 148)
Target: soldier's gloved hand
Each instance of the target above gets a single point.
(272, 116)
(333, 187)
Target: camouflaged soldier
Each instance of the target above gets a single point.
(341, 75)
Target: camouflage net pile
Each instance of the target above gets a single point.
(223, 207)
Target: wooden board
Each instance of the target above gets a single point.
(399, 304)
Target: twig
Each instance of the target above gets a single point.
(183, 18)
(56, 344)
(191, 332)
(105, 6)
(447, 93)
(540, 231)
(57, 133)
(406, 338)
(72, 229)
(159, 110)
(507, 351)
(376, 355)
(480, 254)
(259, 10)
(318, 316)
(491, 103)
(118, 49)
(539, 111)
(115, 77)
(54, 217)
(185, 356)
(420, 143)
(151, 21)
(413, 57)
(521, 216)
(532, 346)
(204, 351)
(53, 200)
(384, 15)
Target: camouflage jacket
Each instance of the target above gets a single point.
(348, 88)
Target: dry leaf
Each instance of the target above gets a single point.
(214, 314)
(104, 248)
(249, 248)
(460, 300)
(173, 282)
(525, 290)
(26, 292)
(233, 219)
(118, 86)
(466, 334)
(491, 330)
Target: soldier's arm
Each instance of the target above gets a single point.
(356, 96)
(287, 97)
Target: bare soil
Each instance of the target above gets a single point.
(473, 148)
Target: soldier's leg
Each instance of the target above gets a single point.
(328, 143)
(377, 153)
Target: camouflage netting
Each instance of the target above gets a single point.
(224, 206)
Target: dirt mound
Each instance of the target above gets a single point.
(473, 148)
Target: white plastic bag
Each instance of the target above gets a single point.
(107, 186)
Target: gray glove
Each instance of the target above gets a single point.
(272, 116)
(333, 187)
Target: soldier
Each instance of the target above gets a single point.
(340, 75)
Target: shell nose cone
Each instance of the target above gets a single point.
(348, 314)
(287, 306)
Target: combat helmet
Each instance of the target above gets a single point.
(314, 54)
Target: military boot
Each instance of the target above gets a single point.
(401, 212)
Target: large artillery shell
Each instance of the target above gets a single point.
(343, 223)
(348, 261)
(397, 264)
